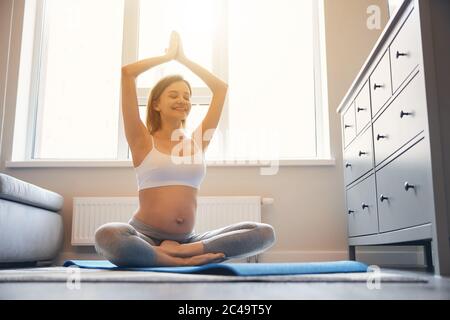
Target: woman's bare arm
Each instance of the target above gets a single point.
(218, 87)
(135, 69)
(135, 130)
(213, 82)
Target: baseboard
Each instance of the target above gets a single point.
(302, 256)
(405, 259)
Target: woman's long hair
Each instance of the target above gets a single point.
(153, 116)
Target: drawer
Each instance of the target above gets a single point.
(404, 51)
(349, 125)
(380, 84)
(358, 158)
(362, 208)
(362, 108)
(401, 121)
(404, 186)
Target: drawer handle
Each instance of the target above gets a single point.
(409, 186)
(362, 153)
(400, 54)
(347, 126)
(361, 109)
(402, 114)
(351, 211)
(380, 136)
(364, 206)
(376, 86)
(347, 165)
(382, 198)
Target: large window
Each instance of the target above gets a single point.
(196, 22)
(271, 77)
(269, 57)
(76, 80)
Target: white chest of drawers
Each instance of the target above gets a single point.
(396, 141)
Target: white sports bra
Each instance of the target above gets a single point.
(160, 169)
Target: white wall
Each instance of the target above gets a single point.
(309, 210)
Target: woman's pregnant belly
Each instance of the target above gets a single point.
(170, 208)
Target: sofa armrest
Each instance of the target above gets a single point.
(20, 191)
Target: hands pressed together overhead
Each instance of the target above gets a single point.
(175, 50)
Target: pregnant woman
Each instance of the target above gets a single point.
(161, 231)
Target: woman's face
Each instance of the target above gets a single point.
(175, 101)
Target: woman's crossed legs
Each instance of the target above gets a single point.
(126, 245)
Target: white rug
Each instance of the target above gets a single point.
(62, 274)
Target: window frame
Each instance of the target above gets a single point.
(200, 95)
(37, 76)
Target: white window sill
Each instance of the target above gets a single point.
(128, 163)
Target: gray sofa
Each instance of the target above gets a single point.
(31, 228)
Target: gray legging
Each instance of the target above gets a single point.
(130, 244)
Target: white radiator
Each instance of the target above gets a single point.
(89, 213)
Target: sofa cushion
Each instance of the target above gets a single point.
(20, 191)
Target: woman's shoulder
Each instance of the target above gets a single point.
(140, 150)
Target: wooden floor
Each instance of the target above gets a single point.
(436, 288)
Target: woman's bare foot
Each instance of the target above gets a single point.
(165, 260)
(184, 250)
(204, 259)
(172, 248)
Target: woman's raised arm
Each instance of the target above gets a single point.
(136, 68)
(135, 130)
(219, 89)
(213, 82)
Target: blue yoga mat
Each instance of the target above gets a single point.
(238, 269)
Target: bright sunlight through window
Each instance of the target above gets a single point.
(192, 19)
(264, 49)
(80, 80)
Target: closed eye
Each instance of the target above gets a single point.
(187, 98)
